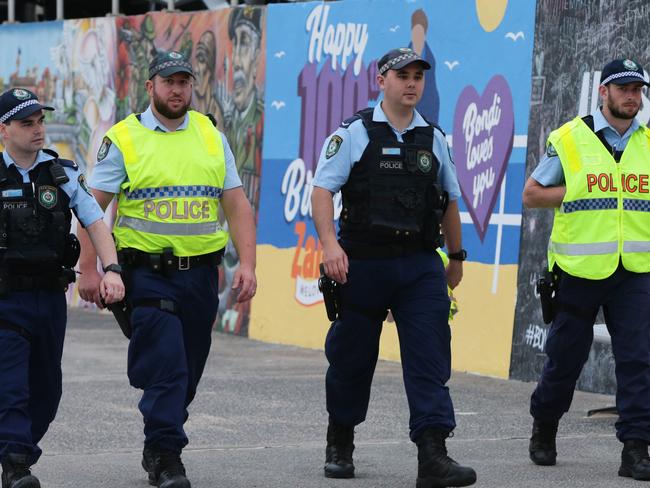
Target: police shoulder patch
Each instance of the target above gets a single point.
(103, 149)
(550, 151)
(82, 183)
(333, 146)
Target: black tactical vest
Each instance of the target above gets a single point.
(35, 219)
(392, 196)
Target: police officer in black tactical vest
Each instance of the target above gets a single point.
(38, 190)
(399, 190)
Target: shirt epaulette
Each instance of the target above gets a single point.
(346, 123)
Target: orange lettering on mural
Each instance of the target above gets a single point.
(308, 254)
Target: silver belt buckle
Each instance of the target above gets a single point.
(183, 263)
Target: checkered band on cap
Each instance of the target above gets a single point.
(17, 109)
(392, 62)
(624, 74)
(169, 64)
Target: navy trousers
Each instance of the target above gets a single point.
(31, 346)
(414, 288)
(167, 352)
(625, 298)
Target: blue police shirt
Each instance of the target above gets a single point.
(333, 172)
(109, 173)
(82, 202)
(549, 170)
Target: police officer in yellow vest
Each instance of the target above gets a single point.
(171, 169)
(596, 175)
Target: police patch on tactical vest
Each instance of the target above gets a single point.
(425, 161)
(47, 196)
(103, 149)
(395, 165)
(333, 146)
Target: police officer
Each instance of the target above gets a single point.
(37, 253)
(392, 168)
(596, 176)
(172, 170)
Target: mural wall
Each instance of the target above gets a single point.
(93, 72)
(495, 94)
(566, 75)
(321, 68)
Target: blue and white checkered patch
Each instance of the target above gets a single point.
(174, 192)
(637, 205)
(589, 204)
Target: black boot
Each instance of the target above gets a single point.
(542, 443)
(435, 468)
(16, 473)
(148, 462)
(338, 453)
(168, 470)
(635, 462)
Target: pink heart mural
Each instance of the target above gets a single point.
(483, 136)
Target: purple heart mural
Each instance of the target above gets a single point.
(483, 135)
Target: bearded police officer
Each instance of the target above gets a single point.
(171, 169)
(38, 190)
(596, 177)
(394, 171)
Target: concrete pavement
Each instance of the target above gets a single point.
(259, 421)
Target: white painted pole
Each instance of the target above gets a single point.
(11, 17)
(170, 4)
(59, 9)
(115, 7)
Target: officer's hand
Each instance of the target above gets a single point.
(454, 273)
(88, 286)
(335, 262)
(111, 287)
(244, 279)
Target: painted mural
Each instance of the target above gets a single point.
(321, 69)
(93, 72)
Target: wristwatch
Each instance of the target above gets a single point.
(458, 256)
(115, 268)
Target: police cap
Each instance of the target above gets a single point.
(622, 72)
(18, 104)
(399, 58)
(166, 63)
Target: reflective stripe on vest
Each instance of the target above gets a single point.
(174, 181)
(588, 249)
(162, 228)
(605, 214)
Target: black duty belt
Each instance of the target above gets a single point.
(381, 251)
(30, 283)
(16, 328)
(166, 261)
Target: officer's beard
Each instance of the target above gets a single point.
(167, 112)
(623, 115)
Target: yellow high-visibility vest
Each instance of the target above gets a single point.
(175, 181)
(605, 214)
